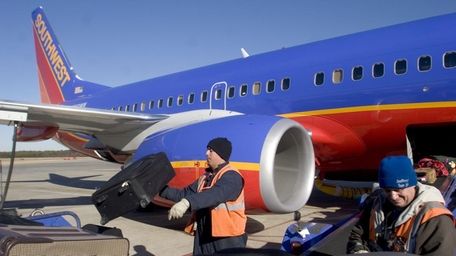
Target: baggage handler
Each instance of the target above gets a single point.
(403, 215)
(216, 200)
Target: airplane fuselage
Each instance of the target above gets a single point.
(357, 94)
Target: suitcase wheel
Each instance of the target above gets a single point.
(143, 203)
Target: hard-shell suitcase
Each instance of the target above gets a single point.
(39, 240)
(133, 186)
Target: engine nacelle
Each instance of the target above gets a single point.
(275, 156)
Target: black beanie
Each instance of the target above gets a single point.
(221, 146)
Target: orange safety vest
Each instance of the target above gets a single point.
(228, 218)
(405, 234)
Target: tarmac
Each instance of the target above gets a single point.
(66, 184)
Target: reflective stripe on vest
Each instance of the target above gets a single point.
(230, 207)
(228, 218)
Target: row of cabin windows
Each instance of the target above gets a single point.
(424, 64)
(270, 87)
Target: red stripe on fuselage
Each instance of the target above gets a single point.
(359, 140)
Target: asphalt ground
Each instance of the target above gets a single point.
(66, 184)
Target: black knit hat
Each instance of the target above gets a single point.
(221, 146)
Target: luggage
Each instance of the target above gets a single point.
(133, 186)
(38, 240)
(97, 229)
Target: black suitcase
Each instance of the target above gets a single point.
(133, 186)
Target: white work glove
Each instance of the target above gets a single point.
(178, 209)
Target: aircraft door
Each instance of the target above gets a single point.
(217, 98)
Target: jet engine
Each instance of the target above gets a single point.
(275, 156)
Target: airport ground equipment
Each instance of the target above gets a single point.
(57, 219)
(41, 240)
(133, 187)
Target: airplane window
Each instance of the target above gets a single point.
(218, 94)
(231, 90)
(180, 100)
(204, 96)
(256, 88)
(357, 73)
(170, 102)
(134, 107)
(400, 67)
(270, 86)
(191, 98)
(243, 90)
(338, 75)
(285, 84)
(160, 103)
(151, 104)
(127, 108)
(319, 78)
(424, 63)
(449, 60)
(378, 70)
(143, 106)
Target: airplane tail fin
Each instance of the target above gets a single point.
(57, 79)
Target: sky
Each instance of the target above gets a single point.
(115, 42)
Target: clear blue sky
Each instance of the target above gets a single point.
(115, 42)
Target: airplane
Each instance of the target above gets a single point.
(326, 109)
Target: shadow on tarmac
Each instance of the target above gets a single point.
(75, 182)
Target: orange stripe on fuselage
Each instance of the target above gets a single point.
(424, 105)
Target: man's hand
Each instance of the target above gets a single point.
(178, 209)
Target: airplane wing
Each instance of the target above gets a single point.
(75, 118)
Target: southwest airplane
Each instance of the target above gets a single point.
(336, 105)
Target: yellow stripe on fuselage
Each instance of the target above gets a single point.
(203, 164)
(439, 104)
